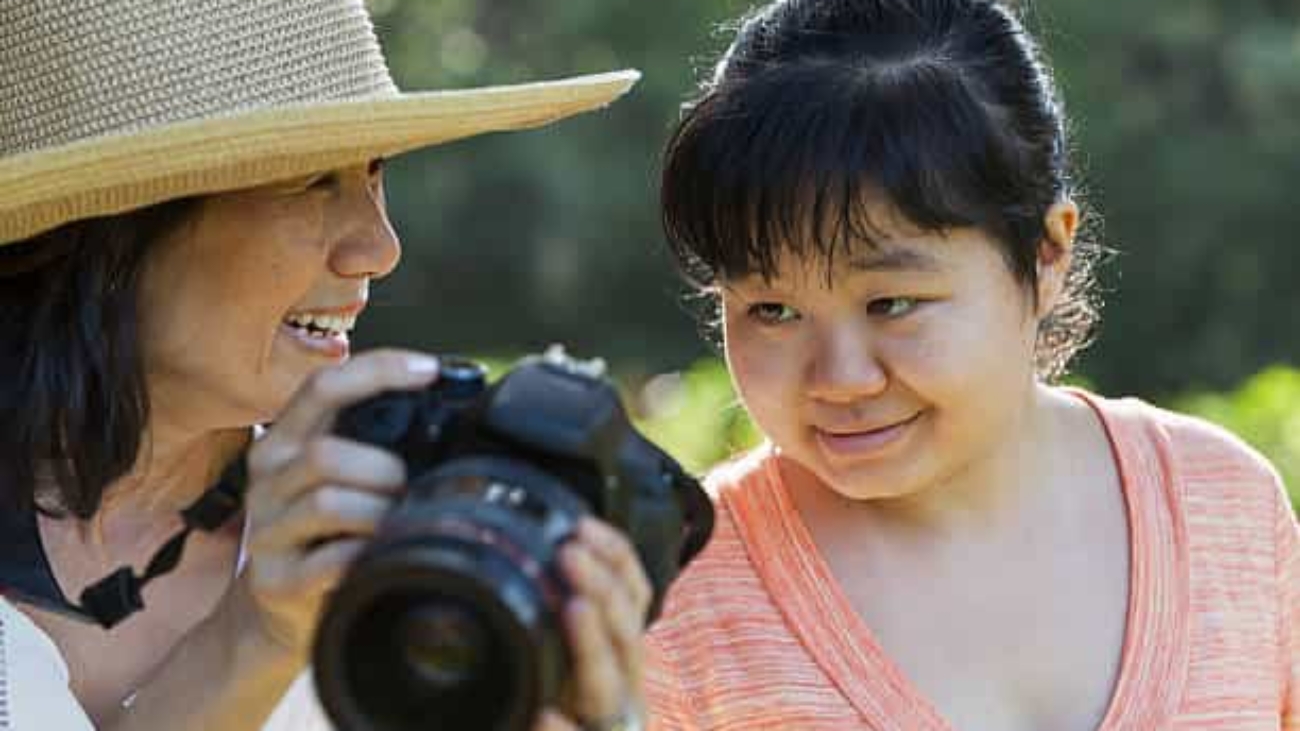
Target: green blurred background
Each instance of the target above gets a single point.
(1186, 119)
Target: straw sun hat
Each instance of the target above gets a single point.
(110, 105)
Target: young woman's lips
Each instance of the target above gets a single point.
(862, 444)
(332, 346)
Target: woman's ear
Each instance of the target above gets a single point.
(1061, 222)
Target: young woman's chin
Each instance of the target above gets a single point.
(887, 464)
(869, 484)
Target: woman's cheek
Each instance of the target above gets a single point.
(768, 382)
(950, 347)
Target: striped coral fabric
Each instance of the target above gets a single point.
(756, 635)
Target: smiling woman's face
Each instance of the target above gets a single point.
(257, 290)
(908, 364)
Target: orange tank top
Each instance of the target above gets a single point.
(757, 635)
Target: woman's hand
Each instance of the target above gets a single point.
(604, 620)
(314, 499)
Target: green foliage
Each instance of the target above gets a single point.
(1187, 113)
(696, 416)
(511, 239)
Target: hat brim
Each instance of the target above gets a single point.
(116, 173)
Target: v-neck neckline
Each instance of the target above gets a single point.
(1156, 647)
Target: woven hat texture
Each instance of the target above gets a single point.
(110, 105)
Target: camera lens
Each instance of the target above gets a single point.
(443, 646)
(419, 661)
(451, 617)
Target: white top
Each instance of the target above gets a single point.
(34, 692)
(299, 710)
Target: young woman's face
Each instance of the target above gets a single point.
(258, 290)
(909, 365)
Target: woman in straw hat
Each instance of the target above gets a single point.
(191, 210)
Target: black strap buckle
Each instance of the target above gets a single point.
(119, 595)
(113, 598)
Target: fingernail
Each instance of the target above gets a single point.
(421, 365)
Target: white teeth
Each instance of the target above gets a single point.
(330, 323)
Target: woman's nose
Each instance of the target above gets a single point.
(367, 246)
(846, 367)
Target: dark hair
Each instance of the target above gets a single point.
(72, 389)
(941, 108)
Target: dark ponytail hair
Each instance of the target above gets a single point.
(942, 108)
(72, 390)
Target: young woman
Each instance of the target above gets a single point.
(934, 536)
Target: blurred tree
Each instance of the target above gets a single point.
(516, 241)
(1187, 116)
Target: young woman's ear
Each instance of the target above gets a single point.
(1055, 251)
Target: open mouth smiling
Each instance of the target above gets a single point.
(322, 332)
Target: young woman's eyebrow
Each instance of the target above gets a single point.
(895, 260)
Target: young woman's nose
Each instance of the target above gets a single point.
(367, 245)
(845, 367)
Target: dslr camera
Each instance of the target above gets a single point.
(451, 616)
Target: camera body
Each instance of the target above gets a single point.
(451, 616)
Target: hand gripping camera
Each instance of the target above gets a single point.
(451, 616)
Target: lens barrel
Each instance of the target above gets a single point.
(450, 619)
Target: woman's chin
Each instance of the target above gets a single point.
(279, 392)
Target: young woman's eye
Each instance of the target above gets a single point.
(773, 313)
(890, 307)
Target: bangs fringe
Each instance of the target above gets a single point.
(792, 159)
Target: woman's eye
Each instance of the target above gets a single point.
(890, 307)
(773, 313)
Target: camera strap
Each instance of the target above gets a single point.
(119, 595)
